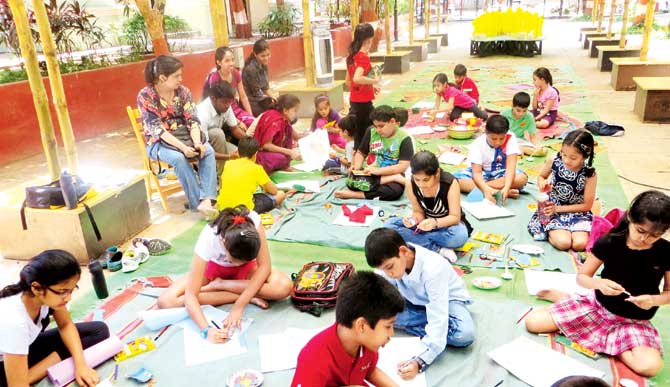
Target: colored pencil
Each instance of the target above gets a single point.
(161, 333)
(215, 324)
(499, 383)
(524, 316)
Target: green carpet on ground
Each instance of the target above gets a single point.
(496, 85)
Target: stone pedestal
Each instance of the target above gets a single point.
(624, 69)
(605, 53)
(596, 42)
(397, 62)
(335, 93)
(444, 38)
(586, 29)
(652, 99)
(589, 35)
(433, 44)
(419, 51)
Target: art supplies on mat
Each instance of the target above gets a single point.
(301, 185)
(487, 237)
(352, 216)
(245, 378)
(537, 280)
(198, 350)
(528, 249)
(567, 343)
(136, 347)
(401, 349)
(418, 130)
(486, 210)
(487, 283)
(62, 373)
(451, 158)
(538, 365)
(279, 351)
(423, 105)
(314, 150)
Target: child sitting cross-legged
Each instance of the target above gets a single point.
(457, 101)
(614, 319)
(345, 354)
(387, 149)
(435, 297)
(337, 165)
(241, 179)
(522, 122)
(493, 158)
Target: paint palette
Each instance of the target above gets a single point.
(487, 283)
(245, 378)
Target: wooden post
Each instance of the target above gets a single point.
(411, 22)
(612, 12)
(56, 82)
(601, 14)
(437, 26)
(37, 89)
(648, 22)
(354, 15)
(219, 14)
(307, 45)
(624, 26)
(486, 6)
(594, 11)
(387, 27)
(153, 18)
(426, 17)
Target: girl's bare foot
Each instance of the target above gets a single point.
(345, 194)
(552, 295)
(259, 302)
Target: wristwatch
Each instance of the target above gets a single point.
(422, 364)
(203, 332)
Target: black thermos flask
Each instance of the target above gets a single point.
(98, 279)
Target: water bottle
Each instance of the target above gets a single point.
(69, 188)
(98, 279)
(542, 202)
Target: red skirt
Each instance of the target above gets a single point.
(583, 320)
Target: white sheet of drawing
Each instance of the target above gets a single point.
(418, 130)
(310, 185)
(538, 365)
(486, 210)
(279, 352)
(537, 280)
(400, 349)
(315, 148)
(452, 158)
(423, 105)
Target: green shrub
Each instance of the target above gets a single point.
(279, 22)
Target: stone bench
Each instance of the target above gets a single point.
(624, 69)
(584, 30)
(596, 42)
(433, 44)
(334, 91)
(605, 53)
(444, 38)
(590, 35)
(397, 62)
(419, 51)
(652, 99)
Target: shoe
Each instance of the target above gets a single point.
(130, 261)
(106, 255)
(205, 208)
(156, 246)
(142, 252)
(114, 261)
(449, 254)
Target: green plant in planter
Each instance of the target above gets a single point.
(134, 32)
(279, 22)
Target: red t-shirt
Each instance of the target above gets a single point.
(469, 87)
(323, 362)
(360, 93)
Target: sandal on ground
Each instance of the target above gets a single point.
(156, 246)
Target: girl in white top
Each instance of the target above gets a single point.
(231, 265)
(26, 348)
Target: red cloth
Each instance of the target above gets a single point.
(358, 215)
(585, 321)
(324, 362)
(469, 87)
(242, 272)
(360, 93)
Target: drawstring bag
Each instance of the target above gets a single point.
(604, 129)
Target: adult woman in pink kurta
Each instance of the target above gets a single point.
(274, 132)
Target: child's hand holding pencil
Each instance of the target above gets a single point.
(408, 369)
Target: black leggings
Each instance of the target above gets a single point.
(456, 113)
(49, 341)
(362, 112)
(386, 192)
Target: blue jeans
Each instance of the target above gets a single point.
(195, 190)
(413, 320)
(450, 237)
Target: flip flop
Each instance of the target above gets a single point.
(106, 256)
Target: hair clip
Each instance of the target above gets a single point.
(155, 70)
(239, 219)
(585, 148)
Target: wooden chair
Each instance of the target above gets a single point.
(164, 187)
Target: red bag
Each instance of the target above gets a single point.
(315, 287)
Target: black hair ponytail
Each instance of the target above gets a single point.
(259, 46)
(161, 65)
(48, 268)
(235, 226)
(362, 32)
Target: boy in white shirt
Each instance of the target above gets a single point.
(493, 158)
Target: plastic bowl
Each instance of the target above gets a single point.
(460, 132)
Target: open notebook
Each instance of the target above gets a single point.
(486, 210)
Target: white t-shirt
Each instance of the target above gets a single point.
(349, 155)
(210, 119)
(17, 329)
(210, 247)
(483, 154)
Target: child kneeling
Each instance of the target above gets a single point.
(615, 318)
(435, 297)
(345, 354)
(242, 177)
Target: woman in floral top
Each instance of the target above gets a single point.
(172, 131)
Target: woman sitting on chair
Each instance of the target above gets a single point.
(173, 133)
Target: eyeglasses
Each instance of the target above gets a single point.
(64, 293)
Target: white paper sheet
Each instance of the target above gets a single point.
(537, 280)
(418, 130)
(315, 148)
(155, 319)
(538, 365)
(310, 185)
(398, 350)
(451, 158)
(279, 352)
(304, 167)
(423, 105)
(440, 115)
(485, 210)
(342, 220)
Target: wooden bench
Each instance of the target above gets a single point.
(624, 69)
(590, 35)
(583, 30)
(652, 99)
(419, 50)
(605, 53)
(597, 42)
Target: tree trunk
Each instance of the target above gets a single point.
(395, 20)
(307, 45)
(219, 14)
(368, 13)
(153, 18)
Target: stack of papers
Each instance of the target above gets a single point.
(537, 280)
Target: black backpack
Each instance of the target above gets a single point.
(315, 287)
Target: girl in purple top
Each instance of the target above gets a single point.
(545, 99)
(457, 101)
(225, 70)
(326, 117)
